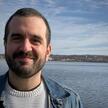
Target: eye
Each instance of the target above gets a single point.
(16, 37)
(36, 40)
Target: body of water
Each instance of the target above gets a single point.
(90, 80)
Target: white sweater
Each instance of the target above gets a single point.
(37, 98)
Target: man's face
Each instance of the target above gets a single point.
(26, 49)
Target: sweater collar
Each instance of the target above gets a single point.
(54, 89)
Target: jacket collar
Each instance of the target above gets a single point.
(3, 80)
(54, 89)
(57, 93)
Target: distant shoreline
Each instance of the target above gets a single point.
(79, 58)
(75, 58)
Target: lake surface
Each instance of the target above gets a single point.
(90, 80)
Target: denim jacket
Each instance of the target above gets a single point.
(59, 97)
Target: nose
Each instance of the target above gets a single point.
(26, 45)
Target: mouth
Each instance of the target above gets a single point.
(24, 59)
(24, 56)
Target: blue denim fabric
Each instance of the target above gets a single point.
(59, 97)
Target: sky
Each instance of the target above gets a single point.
(78, 26)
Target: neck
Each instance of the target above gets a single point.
(26, 84)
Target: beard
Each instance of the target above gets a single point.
(25, 71)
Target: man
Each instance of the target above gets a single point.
(27, 48)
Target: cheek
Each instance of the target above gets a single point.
(41, 53)
(9, 49)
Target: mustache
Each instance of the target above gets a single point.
(28, 54)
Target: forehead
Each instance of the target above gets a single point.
(30, 23)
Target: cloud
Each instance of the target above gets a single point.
(98, 2)
(1, 2)
(88, 6)
(77, 36)
(52, 8)
(51, 2)
(76, 26)
(92, 3)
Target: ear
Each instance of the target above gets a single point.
(49, 48)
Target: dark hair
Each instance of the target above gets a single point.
(26, 12)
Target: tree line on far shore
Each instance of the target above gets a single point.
(79, 58)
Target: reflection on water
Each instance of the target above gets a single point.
(90, 80)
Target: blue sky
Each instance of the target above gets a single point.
(78, 26)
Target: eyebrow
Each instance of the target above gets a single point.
(37, 37)
(16, 34)
(32, 35)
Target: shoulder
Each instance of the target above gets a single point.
(74, 98)
(61, 92)
(3, 79)
(56, 87)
